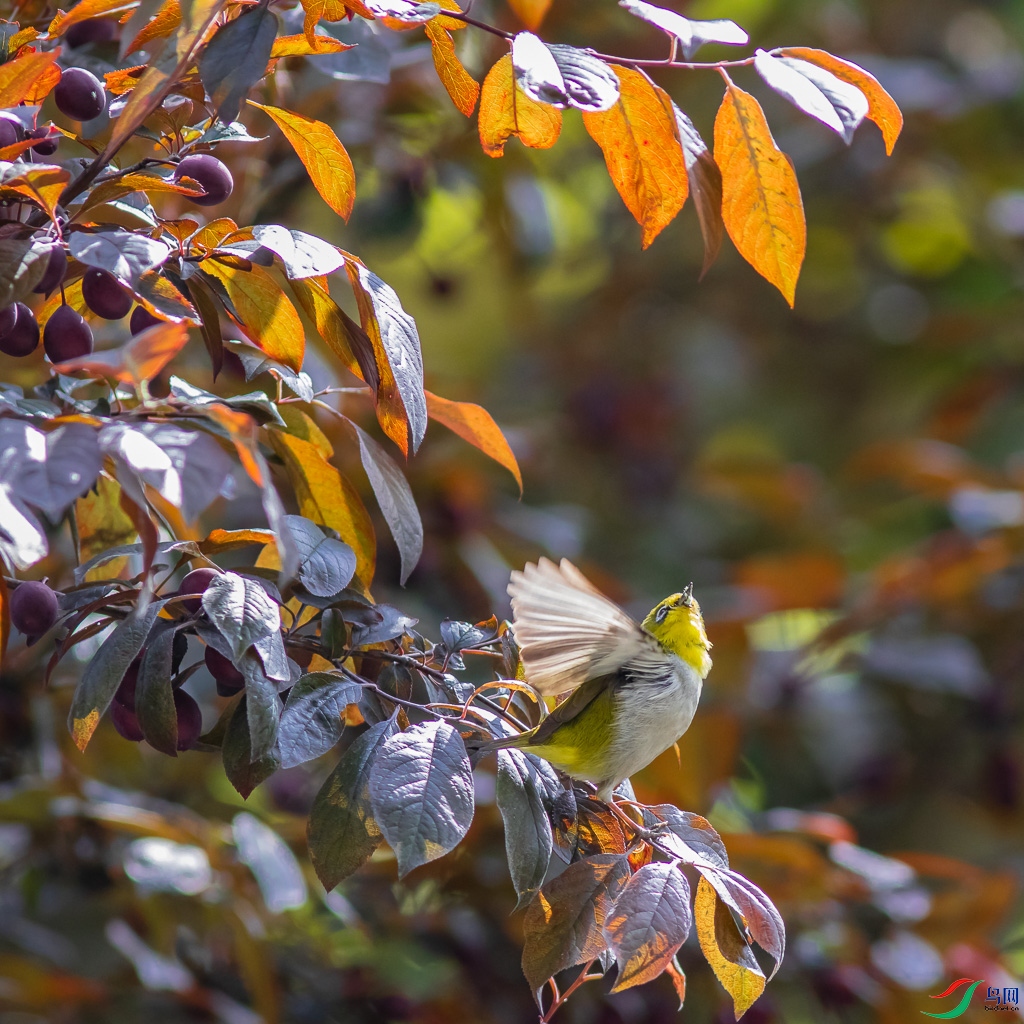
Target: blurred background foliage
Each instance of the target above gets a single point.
(844, 484)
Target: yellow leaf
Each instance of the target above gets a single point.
(18, 76)
(642, 151)
(452, 24)
(302, 46)
(43, 86)
(530, 12)
(83, 11)
(325, 496)
(462, 87)
(227, 540)
(324, 157)
(761, 204)
(505, 110)
(474, 424)
(42, 184)
(83, 728)
(267, 314)
(334, 325)
(212, 234)
(729, 956)
(330, 10)
(882, 108)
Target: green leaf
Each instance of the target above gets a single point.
(649, 922)
(241, 609)
(525, 784)
(154, 694)
(342, 832)
(422, 793)
(104, 672)
(236, 58)
(314, 716)
(564, 925)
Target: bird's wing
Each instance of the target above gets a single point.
(568, 631)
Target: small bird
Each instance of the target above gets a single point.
(634, 686)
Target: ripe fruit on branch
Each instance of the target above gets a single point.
(190, 719)
(209, 173)
(48, 144)
(229, 679)
(104, 295)
(125, 695)
(80, 94)
(195, 583)
(10, 131)
(34, 608)
(8, 317)
(23, 337)
(126, 722)
(56, 268)
(94, 30)
(142, 320)
(66, 335)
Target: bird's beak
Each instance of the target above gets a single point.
(687, 595)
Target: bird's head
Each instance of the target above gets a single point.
(677, 624)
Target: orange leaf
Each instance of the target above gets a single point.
(107, 191)
(13, 151)
(761, 204)
(475, 425)
(166, 21)
(18, 77)
(452, 24)
(229, 540)
(40, 183)
(325, 158)
(21, 38)
(330, 10)
(119, 82)
(642, 151)
(43, 85)
(505, 110)
(213, 234)
(267, 314)
(462, 87)
(302, 46)
(140, 360)
(345, 338)
(882, 108)
(83, 11)
(530, 12)
(241, 428)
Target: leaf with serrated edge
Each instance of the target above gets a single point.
(641, 151)
(241, 610)
(763, 920)
(536, 72)
(564, 925)
(649, 922)
(19, 76)
(125, 254)
(327, 565)
(523, 781)
(302, 254)
(882, 108)
(421, 788)
(342, 832)
(324, 157)
(460, 85)
(723, 947)
(815, 91)
(506, 111)
(105, 670)
(313, 716)
(589, 83)
(761, 204)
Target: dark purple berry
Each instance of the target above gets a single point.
(95, 30)
(190, 719)
(210, 174)
(80, 94)
(55, 271)
(48, 145)
(34, 608)
(125, 695)
(126, 722)
(142, 320)
(66, 335)
(10, 131)
(23, 338)
(8, 316)
(104, 295)
(195, 583)
(229, 679)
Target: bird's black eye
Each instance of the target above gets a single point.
(659, 615)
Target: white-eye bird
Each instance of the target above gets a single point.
(634, 686)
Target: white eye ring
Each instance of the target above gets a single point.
(661, 613)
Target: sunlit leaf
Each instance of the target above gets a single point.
(43, 86)
(530, 12)
(691, 34)
(759, 914)
(241, 610)
(882, 108)
(125, 254)
(100, 521)
(235, 59)
(589, 83)
(730, 957)
(462, 87)
(506, 111)
(19, 76)
(129, 183)
(815, 91)
(476, 425)
(23, 262)
(705, 186)
(536, 72)
(302, 46)
(141, 359)
(343, 336)
(324, 157)
(303, 255)
(642, 153)
(267, 315)
(761, 204)
(42, 184)
(166, 20)
(83, 11)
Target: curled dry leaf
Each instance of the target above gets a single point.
(761, 205)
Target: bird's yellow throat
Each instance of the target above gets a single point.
(677, 624)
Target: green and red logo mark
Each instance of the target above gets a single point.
(961, 1007)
